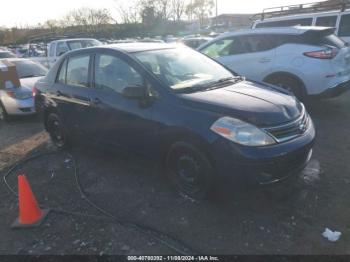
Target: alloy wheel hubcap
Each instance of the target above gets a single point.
(187, 171)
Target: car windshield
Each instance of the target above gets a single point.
(76, 44)
(26, 69)
(182, 68)
(7, 55)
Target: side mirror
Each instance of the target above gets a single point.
(134, 92)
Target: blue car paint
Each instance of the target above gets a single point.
(150, 127)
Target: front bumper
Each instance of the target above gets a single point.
(335, 91)
(263, 165)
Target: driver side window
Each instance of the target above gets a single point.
(114, 74)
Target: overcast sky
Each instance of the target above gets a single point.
(32, 12)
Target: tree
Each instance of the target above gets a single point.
(178, 9)
(89, 19)
(201, 9)
(129, 11)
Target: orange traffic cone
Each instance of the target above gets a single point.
(30, 215)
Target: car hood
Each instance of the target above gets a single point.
(256, 103)
(27, 84)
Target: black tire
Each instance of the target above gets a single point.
(290, 83)
(57, 131)
(189, 170)
(3, 114)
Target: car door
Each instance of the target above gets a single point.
(253, 55)
(247, 55)
(123, 122)
(72, 93)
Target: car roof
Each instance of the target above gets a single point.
(71, 39)
(294, 30)
(301, 16)
(140, 47)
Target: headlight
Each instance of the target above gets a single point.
(241, 132)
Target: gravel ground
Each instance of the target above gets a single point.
(279, 220)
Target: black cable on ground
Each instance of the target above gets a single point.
(155, 234)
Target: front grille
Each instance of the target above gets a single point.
(290, 130)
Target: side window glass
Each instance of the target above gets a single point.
(344, 26)
(62, 48)
(61, 77)
(114, 74)
(327, 21)
(52, 49)
(78, 71)
(219, 48)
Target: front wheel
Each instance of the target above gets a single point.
(189, 170)
(57, 131)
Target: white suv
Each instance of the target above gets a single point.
(304, 60)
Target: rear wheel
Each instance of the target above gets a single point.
(289, 83)
(3, 114)
(189, 170)
(57, 131)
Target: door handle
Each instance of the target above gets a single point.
(95, 101)
(265, 60)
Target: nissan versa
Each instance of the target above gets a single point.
(176, 105)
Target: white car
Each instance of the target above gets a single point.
(20, 101)
(330, 14)
(58, 47)
(304, 60)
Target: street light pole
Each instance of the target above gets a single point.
(216, 14)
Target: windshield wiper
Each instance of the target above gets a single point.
(211, 85)
(224, 81)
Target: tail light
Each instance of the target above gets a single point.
(35, 91)
(328, 53)
(11, 94)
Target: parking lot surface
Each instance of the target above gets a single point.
(288, 219)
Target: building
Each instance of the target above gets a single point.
(231, 21)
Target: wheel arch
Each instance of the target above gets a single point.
(288, 74)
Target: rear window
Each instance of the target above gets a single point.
(344, 26)
(323, 38)
(286, 23)
(27, 69)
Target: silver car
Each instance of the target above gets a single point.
(20, 101)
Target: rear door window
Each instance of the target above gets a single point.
(344, 26)
(78, 71)
(327, 21)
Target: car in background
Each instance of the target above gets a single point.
(195, 42)
(19, 101)
(304, 60)
(179, 107)
(335, 15)
(6, 54)
(58, 47)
